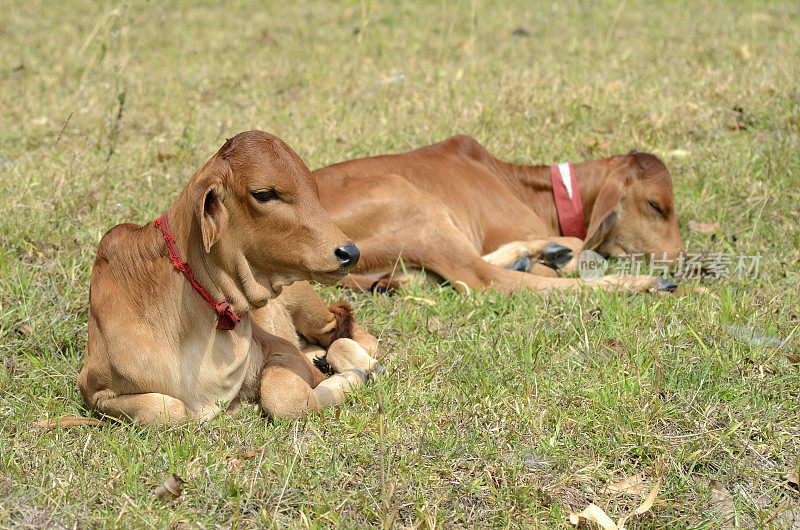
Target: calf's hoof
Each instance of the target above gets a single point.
(666, 286)
(323, 366)
(556, 256)
(377, 372)
(522, 264)
(385, 286)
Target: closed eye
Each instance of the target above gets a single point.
(266, 196)
(656, 207)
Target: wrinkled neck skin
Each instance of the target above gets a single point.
(536, 188)
(224, 273)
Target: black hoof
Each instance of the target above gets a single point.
(322, 365)
(384, 286)
(521, 265)
(557, 256)
(666, 286)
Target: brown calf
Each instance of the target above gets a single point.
(248, 224)
(454, 209)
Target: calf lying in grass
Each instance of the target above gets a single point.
(172, 340)
(455, 210)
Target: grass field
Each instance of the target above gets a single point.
(498, 411)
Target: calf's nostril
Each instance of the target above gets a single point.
(347, 255)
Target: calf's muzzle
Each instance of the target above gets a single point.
(347, 255)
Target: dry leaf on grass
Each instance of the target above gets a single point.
(793, 479)
(69, 421)
(420, 299)
(702, 227)
(596, 144)
(249, 455)
(722, 506)
(649, 501)
(235, 463)
(170, 489)
(743, 52)
(614, 345)
(793, 358)
(596, 514)
(632, 485)
(679, 153)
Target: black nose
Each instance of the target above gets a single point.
(347, 255)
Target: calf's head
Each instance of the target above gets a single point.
(634, 211)
(259, 217)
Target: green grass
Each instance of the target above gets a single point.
(499, 411)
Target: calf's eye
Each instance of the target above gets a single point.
(266, 196)
(655, 207)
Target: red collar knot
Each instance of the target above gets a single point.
(568, 201)
(227, 318)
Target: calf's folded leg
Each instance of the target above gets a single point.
(555, 252)
(291, 386)
(151, 408)
(286, 395)
(347, 354)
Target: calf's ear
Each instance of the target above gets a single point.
(604, 214)
(209, 196)
(606, 206)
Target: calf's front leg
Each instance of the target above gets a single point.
(553, 252)
(151, 408)
(291, 386)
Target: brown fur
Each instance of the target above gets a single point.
(344, 329)
(455, 210)
(154, 354)
(344, 320)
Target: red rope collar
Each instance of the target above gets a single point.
(568, 202)
(227, 318)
